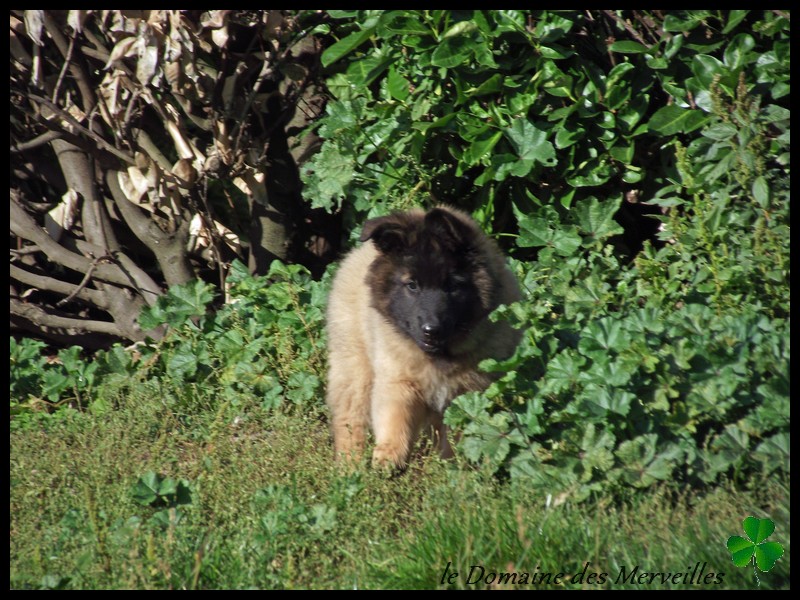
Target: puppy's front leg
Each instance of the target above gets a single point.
(440, 433)
(397, 410)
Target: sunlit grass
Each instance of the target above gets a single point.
(270, 510)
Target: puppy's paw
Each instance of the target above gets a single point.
(389, 460)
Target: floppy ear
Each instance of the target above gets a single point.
(388, 234)
(449, 229)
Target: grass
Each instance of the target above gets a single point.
(269, 510)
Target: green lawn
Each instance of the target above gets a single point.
(268, 509)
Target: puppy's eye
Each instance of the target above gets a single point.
(412, 286)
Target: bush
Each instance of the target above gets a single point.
(265, 345)
(564, 129)
(638, 160)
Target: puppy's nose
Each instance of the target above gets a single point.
(431, 330)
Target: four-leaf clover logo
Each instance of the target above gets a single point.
(742, 550)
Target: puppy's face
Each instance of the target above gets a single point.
(424, 279)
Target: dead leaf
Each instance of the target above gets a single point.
(184, 171)
(214, 19)
(181, 145)
(202, 237)
(62, 216)
(220, 36)
(131, 190)
(253, 184)
(123, 49)
(75, 19)
(147, 63)
(172, 71)
(17, 26)
(34, 23)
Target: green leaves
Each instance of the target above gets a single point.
(536, 232)
(706, 68)
(738, 50)
(164, 493)
(177, 306)
(331, 172)
(515, 93)
(452, 52)
(653, 370)
(764, 554)
(530, 144)
(604, 335)
(656, 347)
(597, 219)
(267, 344)
(349, 43)
(152, 489)
(286, 516)
(673, 119)
(628, 47)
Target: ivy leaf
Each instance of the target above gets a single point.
(470, 406)
(490, 438)
(332, 172)
(563, 371)
(605, 335)
(616, 400)
(530, 143)
(535, 231)
(178, 305)
(54, 382)
(183, 364)
(302, 387)
(596, 448)
(597, 219)
(145, 492)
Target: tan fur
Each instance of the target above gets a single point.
(379, 379)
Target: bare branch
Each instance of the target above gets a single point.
(67, 61)
(267, 70)
(78, 171)
(74, 123)
(48, 322)
(43, 282)
(24, 226)
(169, 249)
(39, 140)
(146, 143)
(634, 34)
(25, 251)
(84, 85)
(84, 281)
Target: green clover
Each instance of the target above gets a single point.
(766, 553)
